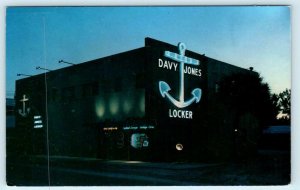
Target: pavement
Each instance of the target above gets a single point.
(267, 168)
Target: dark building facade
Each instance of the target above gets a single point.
(157, 102)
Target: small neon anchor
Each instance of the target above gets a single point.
(25, 111)
(164, 88)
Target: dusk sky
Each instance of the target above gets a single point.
(248, 36)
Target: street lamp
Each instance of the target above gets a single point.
(41, 68)
(20, 74)
(62, 61)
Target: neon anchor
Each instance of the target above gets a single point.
(164, 88)
(25, 111)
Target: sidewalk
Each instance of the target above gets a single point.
(161, 165)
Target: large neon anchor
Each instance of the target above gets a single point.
(164, 88)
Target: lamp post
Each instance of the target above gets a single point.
(62, 61)
(20, 74)
(41, 68)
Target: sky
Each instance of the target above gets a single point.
(245, 36)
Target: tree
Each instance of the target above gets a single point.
(251, 109)
(247, 93)
(283, 103)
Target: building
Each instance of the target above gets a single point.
(151, 103)
(10, 116)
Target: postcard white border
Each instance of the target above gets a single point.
(295, 21)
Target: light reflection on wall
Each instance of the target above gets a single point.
(120, 105)
(114, 104)
(100, 107)
(127, 105)
(142, 104)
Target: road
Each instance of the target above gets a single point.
(268, 168)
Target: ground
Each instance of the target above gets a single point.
(268, 167)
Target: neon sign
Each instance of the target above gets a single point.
(138, 127)
(25, 111)
(164, 88)
(37, 121)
